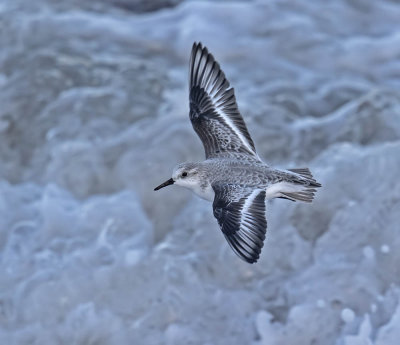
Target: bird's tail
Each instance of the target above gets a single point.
(301, 186)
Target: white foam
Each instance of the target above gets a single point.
(347, 315)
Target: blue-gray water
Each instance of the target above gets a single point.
(94, 115)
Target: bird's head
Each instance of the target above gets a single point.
(184, 174)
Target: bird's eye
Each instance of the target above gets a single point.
(184, 174)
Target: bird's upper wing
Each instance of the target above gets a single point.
(240, 212)
(213, 110)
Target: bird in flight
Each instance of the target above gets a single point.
(233, 176)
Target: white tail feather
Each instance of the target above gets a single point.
(291, 191)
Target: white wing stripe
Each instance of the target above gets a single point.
(229, 122)
(248, 203)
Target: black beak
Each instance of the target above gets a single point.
(165, 184)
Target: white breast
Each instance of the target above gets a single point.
(195, 185)
(206, 193)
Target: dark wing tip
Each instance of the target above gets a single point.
(197, 44)
(200, 58)
(195, 47)
(246, 249)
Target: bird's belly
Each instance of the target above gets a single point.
(206, 193)
(274, 190)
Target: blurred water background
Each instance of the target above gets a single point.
(94, 114)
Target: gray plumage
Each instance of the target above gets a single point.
(233, 175)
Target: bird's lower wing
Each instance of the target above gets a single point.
(240, 213)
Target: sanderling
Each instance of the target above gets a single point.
(233, 176)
